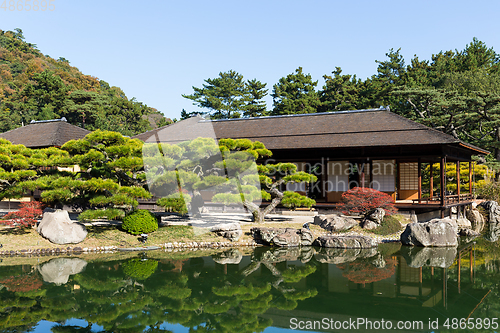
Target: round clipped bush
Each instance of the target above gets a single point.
(140, 221)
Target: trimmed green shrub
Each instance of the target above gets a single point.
(140, 221)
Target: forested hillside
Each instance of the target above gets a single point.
(457, 92)
(34, 86)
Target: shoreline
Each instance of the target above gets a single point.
(28, 243)
(169, 247)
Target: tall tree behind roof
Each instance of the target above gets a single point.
(229, 96)
(294, 94)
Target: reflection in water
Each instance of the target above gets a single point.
(233, 292)
(429, 256)
(58, 270)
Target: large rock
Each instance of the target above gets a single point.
(58, 270)
(373, 219)
(463, 222)
(58, 228)
(231, 231)
(283, 237)
(370, 225)
(476, 219)
(429, 256)
(376, 215)
(493, 211)
(345, 242)
(469, 233)
(342, 256)
(334, 222)
(436, 232)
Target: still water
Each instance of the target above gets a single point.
(256, 290)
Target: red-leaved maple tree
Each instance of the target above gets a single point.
(361, 200)
(26, 216)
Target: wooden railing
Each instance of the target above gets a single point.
(449, 199)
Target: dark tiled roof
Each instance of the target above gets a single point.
(344, 129)
(45, 134)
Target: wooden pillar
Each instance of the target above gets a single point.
(470, 179)
(458, 180)
(445, 294)
(470, 265)
(398, 179)
(370, 165)
(362, 180)
(442, 171)
(419, 171)
(459, 266)
(431, 181)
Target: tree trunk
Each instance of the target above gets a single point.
(258, 214)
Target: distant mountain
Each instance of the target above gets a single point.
(34, 86)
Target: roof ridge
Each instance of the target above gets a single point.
(298, 115)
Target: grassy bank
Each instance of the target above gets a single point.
(14, 239)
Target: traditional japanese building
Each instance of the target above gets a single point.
(367, 148)
(45, 133)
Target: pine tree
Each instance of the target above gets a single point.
(295, 94)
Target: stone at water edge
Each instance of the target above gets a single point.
(436, 232)
(345, 242)
(231, 231)
(58, 228)
(334, 222)
(463, 222)
(494, 211)
(468, 232)
(283, 237)
(476, 219)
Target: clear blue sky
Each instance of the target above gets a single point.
(157, 50)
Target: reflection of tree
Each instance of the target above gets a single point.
(23, 283)
(369, 270)
(285, 295)
(139, 269)
(204, 298)
(18, 306)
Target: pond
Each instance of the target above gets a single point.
(255, 290)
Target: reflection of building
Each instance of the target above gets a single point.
(415, 294)
(368, 148)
